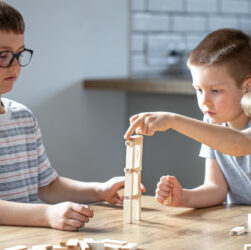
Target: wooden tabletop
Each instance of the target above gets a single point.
(160, 228)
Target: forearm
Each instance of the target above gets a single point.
(22, 214)
(203, 196)
(64, 189)
(225, 140)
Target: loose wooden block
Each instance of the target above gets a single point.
(43, 247)
(129, 246)
(84, 245)
(249, 223)
(237, 231)
(19, 247)
(62, 243)
(94, 244)
(120, 192)
(58, 247)
(115, 242)
(111, 247)
(73, 244)
(247, 247)
(168, 201)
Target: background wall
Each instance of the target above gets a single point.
(74, 40)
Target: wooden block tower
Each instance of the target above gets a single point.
(132, 192)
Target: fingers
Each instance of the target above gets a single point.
(134, 125)
(77, 216)
(82, 210)
(164, 189)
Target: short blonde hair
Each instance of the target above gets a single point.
(229, 47)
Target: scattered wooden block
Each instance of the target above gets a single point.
(120, 192)
(249, 223)
(115, 242)
(247, 247)
(108, 246)
(73, 244)
(19, 247)
(95, 244)
(62, 243)
(237, 231)
(58, 247)
(84, 245)
(130, 246)
(43, 247)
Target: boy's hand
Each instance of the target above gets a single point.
(111, 187)
(148, 123)
(68, 216)
(167, 186)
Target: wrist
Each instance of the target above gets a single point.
(184, 198)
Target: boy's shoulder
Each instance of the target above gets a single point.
(16, 109)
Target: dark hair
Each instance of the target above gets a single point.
(230, 47)
(10, 19)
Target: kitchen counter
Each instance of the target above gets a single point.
(160, 85)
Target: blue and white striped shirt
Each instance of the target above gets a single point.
(24, 165)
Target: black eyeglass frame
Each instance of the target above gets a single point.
(16, 55)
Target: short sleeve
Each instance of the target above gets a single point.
(46, 174)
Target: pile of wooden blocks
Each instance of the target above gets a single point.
(85, 244)
(132, 190)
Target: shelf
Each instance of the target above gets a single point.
(170, 85)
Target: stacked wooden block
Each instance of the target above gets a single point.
(85, 244)
(132, 191)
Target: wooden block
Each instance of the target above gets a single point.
(94, 244)
(168, 201)
(129, 246)
(237, 231)
(58, 247)
(62, 243)
(43, 247)
(120, 192)
(73, 244)
(84, 245)
(115, 242)
(19, 247)
(112, 247)
(247, 247)
(136, 209)
(249, 223)
(127, 211)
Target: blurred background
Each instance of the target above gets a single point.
(84, 39)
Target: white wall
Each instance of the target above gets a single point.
(73, 40)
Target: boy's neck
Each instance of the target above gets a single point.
(2, 109)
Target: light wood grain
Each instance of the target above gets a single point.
(161, 227)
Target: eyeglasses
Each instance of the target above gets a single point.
(23, 58)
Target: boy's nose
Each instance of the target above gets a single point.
(15, 63)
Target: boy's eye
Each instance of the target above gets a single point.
(215, 91)
(3, 54)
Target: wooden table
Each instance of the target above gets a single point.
(160, 228)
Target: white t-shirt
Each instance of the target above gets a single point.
(24, 165)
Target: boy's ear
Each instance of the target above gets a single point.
(246, 86)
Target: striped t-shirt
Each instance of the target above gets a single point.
(24, 165)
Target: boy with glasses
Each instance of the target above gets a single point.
(25, 171)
